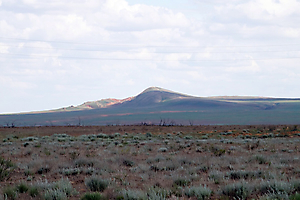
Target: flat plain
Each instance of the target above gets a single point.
(150, 162)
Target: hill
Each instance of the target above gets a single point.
(156, 105)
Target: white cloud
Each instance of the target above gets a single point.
(270, 9)
(262, 11)
(253, 67)
(29, 2)
(3, 48)
(292, 32)
(138, 17)
(72, 48)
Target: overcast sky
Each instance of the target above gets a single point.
(59, 53)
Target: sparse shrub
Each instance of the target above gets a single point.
(43, 185)
(216, 176)
(295, 197)
(102, 135)
(275, 196)
(84, 162)
(200, 192)
(65, 186)
(236, 175)
(181, 181)
(88, 171)
(93, 196)
(43, 170)
(37, 144)
(296, 185)
(9, 193)
(188, 137)
(134, 195)
(148, 134)
(96, 184)
(274, 187)
(22, 187)
(73, 155)
(6, 167)
(70, 171)
(55, 194)
(47, 152)
(128, 163)
(26, 144)
(178, 191)
(117, 134)
(156, 196)
(157, 193)
(260, 159)
(136, 137)
(217, 151)
(60, 190)
(33, 191)
(203, 169)
(237, 191)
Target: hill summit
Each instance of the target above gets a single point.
(152, 96)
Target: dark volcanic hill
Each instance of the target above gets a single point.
(156, 104)
(152, 97)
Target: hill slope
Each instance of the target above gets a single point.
(155, 104)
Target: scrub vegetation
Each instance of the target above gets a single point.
(150, 162)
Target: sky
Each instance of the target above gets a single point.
(59, 53)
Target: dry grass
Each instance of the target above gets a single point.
(206, 162)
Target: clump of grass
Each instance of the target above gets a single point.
(47, 152)
(181, 182)
(84, 162)
(93, 196)
(237, 191)
(43, 170)
(133, 195)
(148, 134)
(260, 159)
(65, 186)
(275, 196)
(61, 189)
(241, 174)
(55, 194)
(33, 191)
(6, 167)
(128, 163)
(70, 171)
(96, 184)
(157, 193)
(216, 176)
(9, 193)
(200, 192)
(73, 155)
(295, 196)
(296, 185)
(22, 187)
(274, 187)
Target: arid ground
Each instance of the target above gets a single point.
(150, 162)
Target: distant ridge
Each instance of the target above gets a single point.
(148, 96)
(155, 104)
(157, 89)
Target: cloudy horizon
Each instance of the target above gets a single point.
(55, 54)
